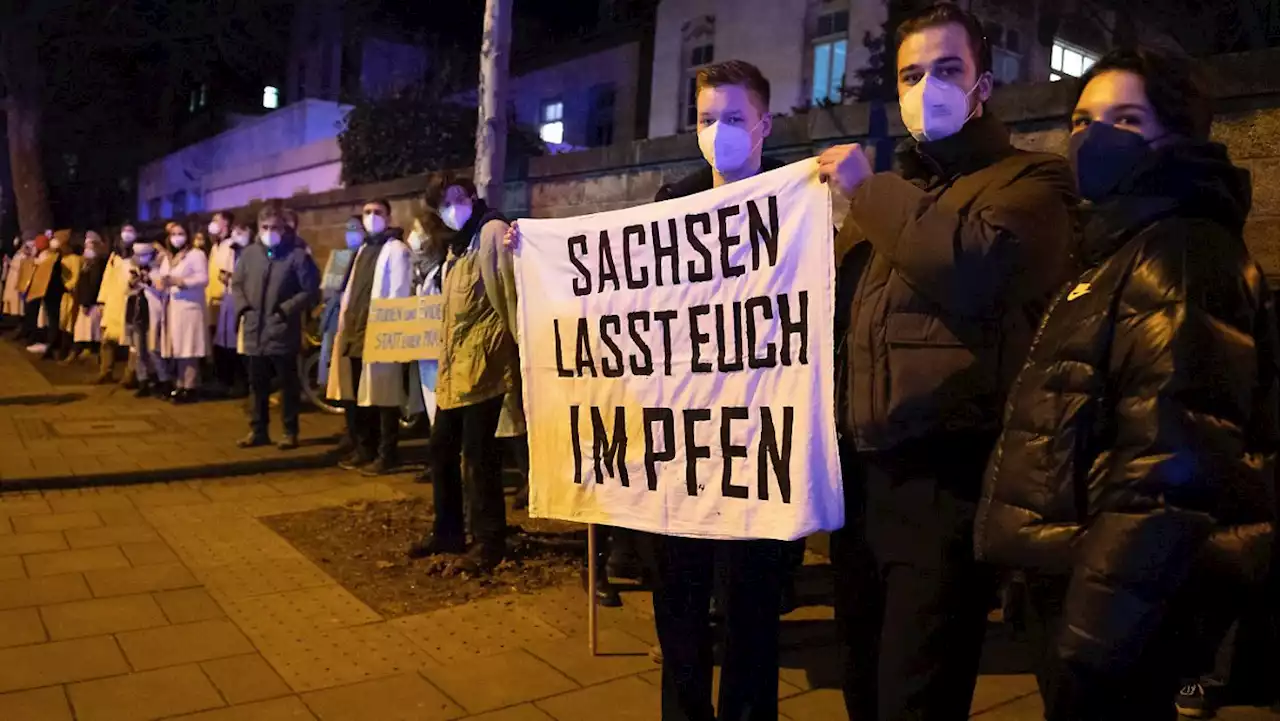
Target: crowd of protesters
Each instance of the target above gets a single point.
(1063, 368)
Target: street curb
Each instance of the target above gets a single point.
(286, 461)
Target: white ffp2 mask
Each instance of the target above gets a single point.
(726, 147)
(455, 216)
(934, 109)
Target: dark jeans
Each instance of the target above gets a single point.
(685, 570)
(465, 454)
(284, 369)
(911, 600)
(31, 320)
(375, 430)
(1073, 692)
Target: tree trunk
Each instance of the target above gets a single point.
(19, 64)
(491, 134)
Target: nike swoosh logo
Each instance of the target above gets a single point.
(1079, 292)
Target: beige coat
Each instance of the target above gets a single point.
(384, 385)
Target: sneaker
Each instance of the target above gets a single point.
(435, 546)
(37, 348)
(145, 390)
(288, 443)
(606, 594)
(354, 461)
(379, 467)
(1192, 702)
(253, 440)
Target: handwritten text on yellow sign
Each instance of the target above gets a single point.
(402, 330)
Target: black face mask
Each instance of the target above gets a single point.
(1104, 156)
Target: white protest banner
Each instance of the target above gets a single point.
(402, 330)
(677, 362)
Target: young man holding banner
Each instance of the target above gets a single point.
(677, 361)
(952, 264)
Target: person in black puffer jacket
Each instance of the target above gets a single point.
(1134, 477)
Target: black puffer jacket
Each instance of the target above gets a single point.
(1140, 437)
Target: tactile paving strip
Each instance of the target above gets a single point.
(484, 628)
(296, 613)
(227, 583)
(334, 657)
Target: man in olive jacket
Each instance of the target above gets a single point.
(275, 283)
(950, 265)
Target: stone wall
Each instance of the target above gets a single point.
(624, 175)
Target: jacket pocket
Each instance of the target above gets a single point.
(942, 371)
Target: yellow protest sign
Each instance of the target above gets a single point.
(402, 330)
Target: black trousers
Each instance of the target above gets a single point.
(465, 455)
(684, 571)
(1071, 692)
(911, 600)
(53, 321)
(31, 320)
(284, 369)
(374, 429)
(230, 368)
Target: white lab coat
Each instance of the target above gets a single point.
(186, 333)
(384, 385)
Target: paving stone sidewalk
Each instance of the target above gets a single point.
(174, 601)
(72, 436)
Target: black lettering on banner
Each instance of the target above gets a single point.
(633, 320)
(693, 451)
(560, 369)
(770, 454)
(608, 270)
(697, 338)
(798, 327)
(770, 358)
(725, 365)
(613, 454)
(665, 317)
(585, 360)
(577, 445)
(727, 242)
(703, 219)
(652, 457)
(670, 252)
(617, 369)
(728, 414)
(633, 282)
(581, 284)
(761, 232)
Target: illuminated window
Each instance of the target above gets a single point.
(830, 50)
(1068, 60)
(271, 97)
(551, 126)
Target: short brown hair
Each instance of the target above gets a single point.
(736, 72)
(948, 13)
(273, 211)
(440, 183)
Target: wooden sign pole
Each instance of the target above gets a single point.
(592, 620)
